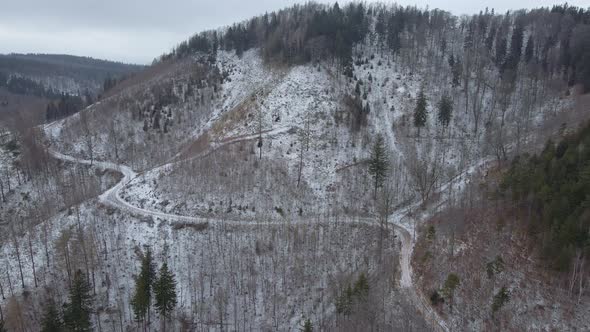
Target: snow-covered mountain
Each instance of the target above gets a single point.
(245, 160)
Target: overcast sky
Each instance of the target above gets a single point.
(137, 31)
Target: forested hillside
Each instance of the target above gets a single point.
(549, 41)
(516, 237)
(44, 87)
(554, 186)
(277, 174)
(55, 74)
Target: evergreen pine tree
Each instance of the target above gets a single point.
(344, 301)
(357, 89)
(142, 298)
(51, 320)
(445, 109)
(140, 301)
(501, 298)
(78, 310)
(165, 293)
(516, 45)
(456, 70)
(307, 326)
(361, 287)
(431, 233)
(529, 51)
(449, 288)
(501, 45)
(378, 163)
(148, 272)
(420, 115)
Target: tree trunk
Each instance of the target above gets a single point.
(300, 166)
(32, 258)
(2, 191)
(17, 251)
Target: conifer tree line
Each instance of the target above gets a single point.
(110, 82)
(420, 112)
(76, 314)
(378, 163)
(353, 295)
(154, 290)
(151, 288)
(61, 104)
(25, 86)
(554, 187)
(445, 110)
(307, 326)
(444, 113)
(553, 41)
(65, 106)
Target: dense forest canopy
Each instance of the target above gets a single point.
(60, 105)
(69, 82)
(556, 40)
(79, 68)
(26, 86)
(555, 187)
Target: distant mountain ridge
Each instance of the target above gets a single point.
(48, 86)
(64, 73)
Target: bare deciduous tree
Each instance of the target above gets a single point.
(425, 170)
(88, 140)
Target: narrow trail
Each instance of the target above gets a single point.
(112, 196)
(403, 219)
(406, 278)
(221, 143)
(406, 220)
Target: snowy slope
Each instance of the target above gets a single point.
(251, 245)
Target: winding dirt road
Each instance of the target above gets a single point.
(113, 197)
(403, 219)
